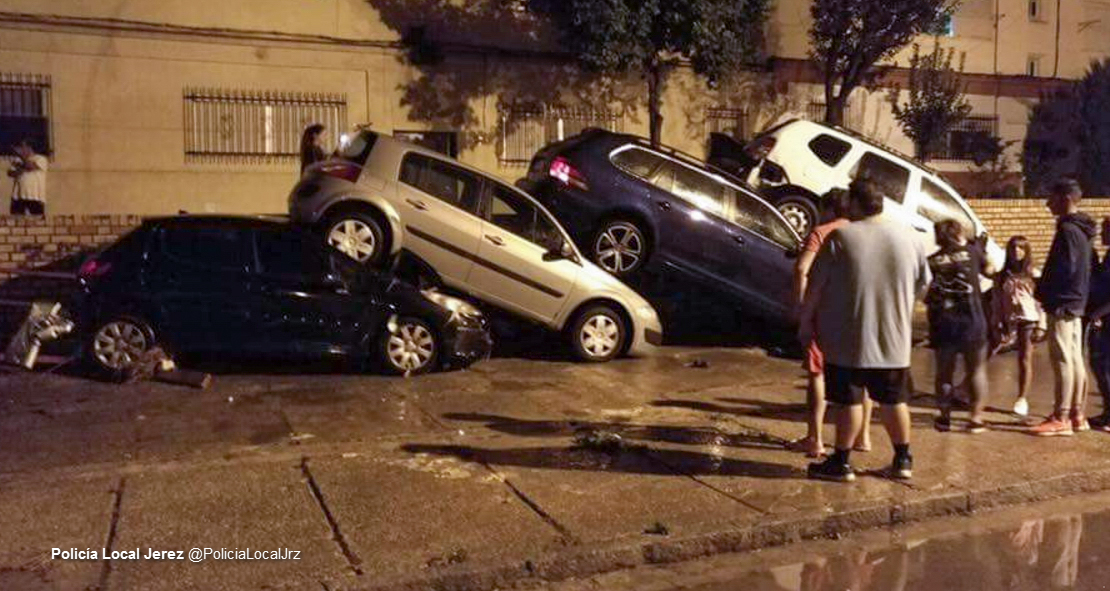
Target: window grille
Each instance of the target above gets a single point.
(965, 139)
(25, 111)
(256, 125)
(731, 122)
(525, 131)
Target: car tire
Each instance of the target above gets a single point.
(358, 235)
(408, 346)
(621, 247)
(598, 334)
(118, 343)
(800, 212)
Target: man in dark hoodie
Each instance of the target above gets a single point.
(1063, 291)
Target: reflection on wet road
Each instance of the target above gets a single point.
(1063, 545)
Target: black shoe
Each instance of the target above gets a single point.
(832, 470)
(902, 468)
(942, 423)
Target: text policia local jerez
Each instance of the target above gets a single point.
(195, 555)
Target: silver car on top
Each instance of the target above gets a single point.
(477, 235)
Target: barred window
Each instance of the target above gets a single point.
(525, 131)
(967, 138)
(25, 111)
(731, 122)
(255, 126)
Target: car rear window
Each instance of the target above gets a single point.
(211, 247)
(358, 147)
(829, 149)
(637, 162)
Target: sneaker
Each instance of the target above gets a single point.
(942, 423)
(831, 470)
(1021, 407)
(1053, 427)
(976, 428)
(902, 467)
(1079, 424)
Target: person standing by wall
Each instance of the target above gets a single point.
(957, 322)
(837, 208)
(1018, 318)
(1098, 318)
(29, 180)
(860, 304)
(312, 145)
(1063, 291)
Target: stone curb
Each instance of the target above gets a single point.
(587, 561)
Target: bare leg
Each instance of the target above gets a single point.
(863, 442)
(975, 362)
(849, 420)
(1025, 361)
(817, 405)
(896, 419)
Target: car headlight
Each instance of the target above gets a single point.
(458, 308)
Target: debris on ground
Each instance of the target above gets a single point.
(598, 440)
(156, 365)
(658, 530)
(698, 364)
(44, 323)
(454, 557)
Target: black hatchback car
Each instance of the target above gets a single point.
(256, 287)
(631, 207)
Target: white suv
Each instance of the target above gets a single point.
(807, 159)
(474, 234)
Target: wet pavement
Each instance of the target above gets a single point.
(1054, 545)
(516, 469)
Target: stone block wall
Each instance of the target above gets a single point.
(1030, 218)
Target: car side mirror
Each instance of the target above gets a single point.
(560, 253)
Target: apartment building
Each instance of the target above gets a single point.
(156, 106)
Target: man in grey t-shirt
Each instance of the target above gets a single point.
(859, 305)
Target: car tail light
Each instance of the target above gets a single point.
(563, 171)
(340, 169)
(93, 268)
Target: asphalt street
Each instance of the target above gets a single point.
(380, 482)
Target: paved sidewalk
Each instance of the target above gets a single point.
(470, 480)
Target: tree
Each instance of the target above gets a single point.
(1069, 135)
(652, 37)
(936, 101)
(849, 37)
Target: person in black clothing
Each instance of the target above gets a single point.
(312, 145)
(1098, 310)
(1063, 291)
(957, 322)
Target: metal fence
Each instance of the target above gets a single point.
(25, 110)
(731, 122)
(525, 131)
(966, 137)
(255, 126)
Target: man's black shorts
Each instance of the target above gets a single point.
(27, 207)
(847, 385)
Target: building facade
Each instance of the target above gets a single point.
(155, 106)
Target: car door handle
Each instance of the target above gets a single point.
(499, 241)
(418, 204)
(737, 238)
(664, 205)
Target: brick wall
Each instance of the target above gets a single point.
(36, 241)
(1030, 218)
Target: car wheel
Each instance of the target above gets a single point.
(598, 334)
(409, 346)
(800, 212)
(118, 343)
(357, 235)
(620, 247)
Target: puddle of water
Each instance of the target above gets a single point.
(1063, 545)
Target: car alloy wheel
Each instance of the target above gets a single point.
(354, 238)
(619, 248)
(799, 214)
(119, 344)
(410, 347)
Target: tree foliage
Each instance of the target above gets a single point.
(936, 101)
(1069, 135)
(849, 37)
(651, 37)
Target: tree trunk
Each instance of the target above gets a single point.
(834, 109)
(656, 77)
